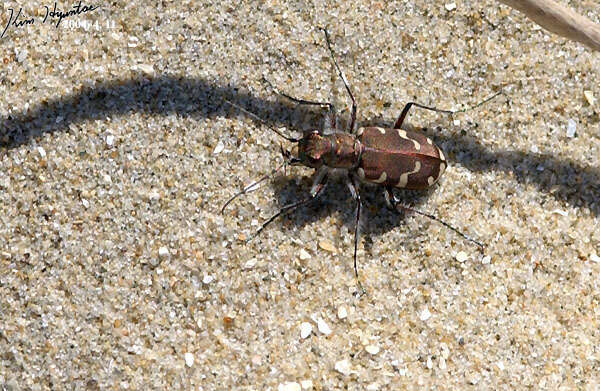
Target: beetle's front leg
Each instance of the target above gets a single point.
(353, 186)
(320, 180)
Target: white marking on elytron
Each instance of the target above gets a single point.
(442, 157)
(381, 178)
(381, 130)
(430, 180)
(404, 177)
(442, 169)
(403, 134)
(360, 131)
(429, 141)
(361, 173)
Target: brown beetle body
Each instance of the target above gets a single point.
(387, 157)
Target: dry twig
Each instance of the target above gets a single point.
(560, 20)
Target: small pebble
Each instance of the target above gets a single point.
(462, 257)
(110, 140)
(306, 384)
(343, 367)
(305, 330)
(372, 349)
(486, 260)
(86, 203)
(373, 387)
(425, 314)
(291, 386)
(342, 312)
(219, 148)
(450, 6)
(323, 327)
(534, 148)
(442, 363)
(571, 127)
(163, 252)
(107, 178)
(207, 279)
(327, 246)
(589, 96)
(189, 359)
(21, 56)
(146, 68)
(594, 258)
(500, 365)
(304, 255)
(429, 363)
(41, 151)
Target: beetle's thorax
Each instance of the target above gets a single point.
(336, 150)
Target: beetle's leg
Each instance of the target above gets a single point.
(331, 113)
(320, 180)
(393, 204)
(353, 186)
(343, 77)
(407, 107)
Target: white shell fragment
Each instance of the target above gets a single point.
(425, 314)
(589, 96)
(343, 367)
(462, 257)
(342, 313)
(450, 6)
(163, 252)
(372, 349)
(305, 330)
(304, 255)
(323, 327)
(290, 386)
(189, 359)
(218, 148)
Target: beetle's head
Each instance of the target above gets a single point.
(311, 149)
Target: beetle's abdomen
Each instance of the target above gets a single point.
(395, 157)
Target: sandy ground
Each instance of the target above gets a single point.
(117, 270)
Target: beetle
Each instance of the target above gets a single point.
(392, 158)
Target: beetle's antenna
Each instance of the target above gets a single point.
(254, 185)
(262, 121)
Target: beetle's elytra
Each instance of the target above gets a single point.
(391, 158)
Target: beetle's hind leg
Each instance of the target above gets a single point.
(407, 107)
(331, 119)
(394, 204)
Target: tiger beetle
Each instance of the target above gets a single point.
(391, 158)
